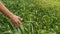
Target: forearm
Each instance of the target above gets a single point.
(4, 10)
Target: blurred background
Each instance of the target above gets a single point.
(39, 17)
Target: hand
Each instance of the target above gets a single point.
(15, 20)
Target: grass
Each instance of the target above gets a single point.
(39, 17)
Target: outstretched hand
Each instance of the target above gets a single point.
(15, 20)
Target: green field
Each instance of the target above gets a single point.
(39, 17)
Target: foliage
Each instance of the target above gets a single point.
(39, 16)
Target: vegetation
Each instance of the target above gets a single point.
(39, 17)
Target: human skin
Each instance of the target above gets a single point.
(14, 19)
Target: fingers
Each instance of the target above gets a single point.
(20, 18)
(16, 21)
(17, 25)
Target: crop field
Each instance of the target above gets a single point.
(39, 17)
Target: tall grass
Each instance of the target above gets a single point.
(39, 17)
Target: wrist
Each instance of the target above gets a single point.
(11, 15)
